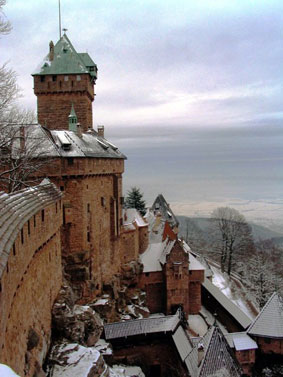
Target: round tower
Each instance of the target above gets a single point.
(63, 79)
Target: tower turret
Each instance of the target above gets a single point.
(63, 79)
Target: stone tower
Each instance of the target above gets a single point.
(177, 279)
(63, 79)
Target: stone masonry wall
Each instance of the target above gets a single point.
(129, 245)
(157, 357)
(195, 279)
(92, 218)
(143, 239)
(55, 99)
(270, 345)
(177, 280)
(246, 359)
(153, 284)
(29, 287)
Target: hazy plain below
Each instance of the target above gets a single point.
(199, 169)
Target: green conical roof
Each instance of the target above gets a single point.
(66, 60)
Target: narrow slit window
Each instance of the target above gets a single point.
(22, 235)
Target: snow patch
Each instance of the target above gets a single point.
(197, 324)
(6, 371)
(126, 371)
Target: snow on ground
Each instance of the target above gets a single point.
(6, 371)
(230, 289)
(74, 360)
(103, 347)
(102, 301)
(197, 324)
(125, 371)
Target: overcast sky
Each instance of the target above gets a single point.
(162, 62)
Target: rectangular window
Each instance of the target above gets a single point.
(42, 215)
(88, 236)
(70, 161)
(14, 249)
(78, 78)
(88, 207)
(42, 78)
(54, 78)
(28, 227)
(66, 78)
(34, 221)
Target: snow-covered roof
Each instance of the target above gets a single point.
(141, 326)
(216, 356)
(227, 304)
(269, 322)
(182, 342)
(154, 254)
(17, 208)
(194, 263)
(43, 143)
(89, 145)
(132, 215)
(241, 341)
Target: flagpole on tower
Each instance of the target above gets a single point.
(59, 20)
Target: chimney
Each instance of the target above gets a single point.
(100, 131)
(79, 130)
(51, 51)
(200, 353)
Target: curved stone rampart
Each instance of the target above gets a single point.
(30, 273)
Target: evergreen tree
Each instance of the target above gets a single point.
(134, 199)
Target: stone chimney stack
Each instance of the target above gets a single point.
(79, 130)
(51, 51)
(100, 131)
(200, 353)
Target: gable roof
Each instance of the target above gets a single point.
(241, 341)
(216, 357)
(144, 326)
(269, 322)
(182, 342)
(163, 207)
(227, 304)
(17, 208)
(66, 61)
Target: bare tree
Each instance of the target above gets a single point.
(20, 153)
(233, 234)
(5, 26)
(21, 156)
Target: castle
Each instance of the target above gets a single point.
(73, 223)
